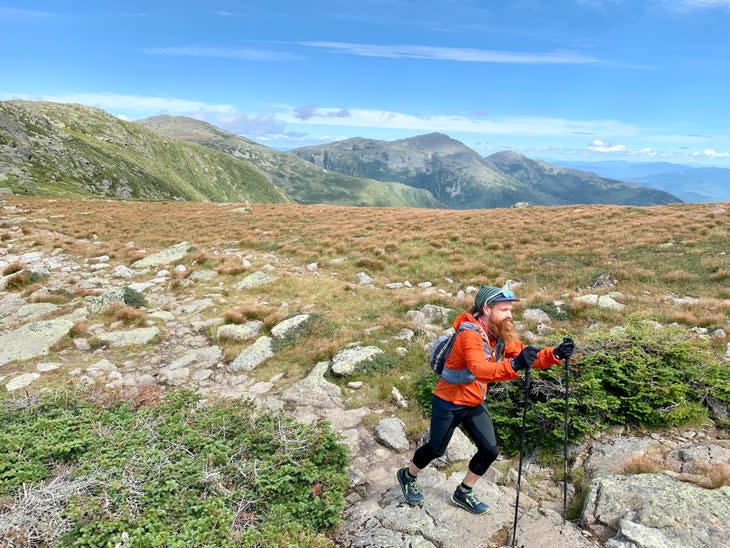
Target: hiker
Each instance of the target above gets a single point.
(492, 353)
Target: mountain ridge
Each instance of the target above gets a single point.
(462, 179)
(302, 181)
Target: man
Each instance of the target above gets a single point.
(490, 353)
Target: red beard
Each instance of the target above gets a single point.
(504, 330)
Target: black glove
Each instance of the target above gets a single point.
(525, 359)
(564, 349)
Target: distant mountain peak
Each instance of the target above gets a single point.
(430, 140)
(507, 156)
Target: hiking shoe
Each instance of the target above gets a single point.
(409, 487)
(469, 501)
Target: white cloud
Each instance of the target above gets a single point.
(406, 51)
(247, 54)
(601, 146)
(122, 117)
(710, 153)
(139, 105)
(525, 125)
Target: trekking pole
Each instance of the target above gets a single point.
(565, 440)
(522, 451)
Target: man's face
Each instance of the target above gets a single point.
(497, 312)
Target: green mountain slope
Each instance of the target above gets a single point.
(304, 182)
(572, 186)
(73, 150)
(462, 179)
(452, 172)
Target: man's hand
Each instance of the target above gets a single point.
(564, 349)
(525, 359)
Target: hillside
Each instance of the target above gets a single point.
(302, 181)
(72, 150)
(572, 186)
(452, 172)
(462, 179)
(690, 183)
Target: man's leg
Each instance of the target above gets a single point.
(481, 430)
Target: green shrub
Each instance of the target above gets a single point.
(134, 298)
(634, 376)
(178, 474)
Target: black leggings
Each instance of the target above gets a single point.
(478, 425)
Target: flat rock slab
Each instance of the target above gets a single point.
(139, 336)
(254, 280)
(347, 361)
(253, 356)
(32, 340)
(166, 256)
(687, 515)
(21, 381)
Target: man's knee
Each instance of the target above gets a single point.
(425, 454)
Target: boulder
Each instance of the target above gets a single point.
(32, 340)
(347, 361)
(166, 256)
(253, 356)
(685, 514)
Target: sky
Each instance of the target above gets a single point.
(559, 80)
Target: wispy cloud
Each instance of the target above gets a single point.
(686, 5)
(131, 103)
(406, 51)
(18, 12)
(248, 54)
(520, 125)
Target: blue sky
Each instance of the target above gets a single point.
(558, 80)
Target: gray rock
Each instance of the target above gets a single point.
(96, 304)
(33, 312)
(606, 301)
(253, 356)
(347, 361)
(166, 256)
(122, 271)
(32, 340)
(687, 515)
(536, 315)
(363, 278)
(289, 326)
(254, 279)
(22, 381)
(543, 528)
(133, 337)
(239, 332)
(608, 457)
(398, 398)
(203, 275)
(589, 299)
(314, 390)
(632, 534)
(391, 433)
(693, 458)
(429, 314)
(199, 358)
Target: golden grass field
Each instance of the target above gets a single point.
(654, 253)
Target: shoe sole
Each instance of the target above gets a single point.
(465, 507)
(402, 490)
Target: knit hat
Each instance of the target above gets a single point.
(488, 294)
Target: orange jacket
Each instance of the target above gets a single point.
(469, 352)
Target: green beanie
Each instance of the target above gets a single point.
(488, 294)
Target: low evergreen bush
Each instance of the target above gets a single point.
(177, 473)
(634, 376)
